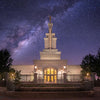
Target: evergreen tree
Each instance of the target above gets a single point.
(91, 63)
(88, 63)
(5, 60)
(97, 63)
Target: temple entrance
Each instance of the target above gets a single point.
(50, 75)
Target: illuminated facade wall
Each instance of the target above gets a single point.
(50, 67)
(42, 66)
(25, 69)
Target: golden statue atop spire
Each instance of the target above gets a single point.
(50, 32)
(50, 19)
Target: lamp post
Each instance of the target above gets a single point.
(64, 68)
(35, 74)
(35, 68)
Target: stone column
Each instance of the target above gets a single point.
(6, 78)
(92, 79)
(93, 76)
(65, 80)
(35, 77)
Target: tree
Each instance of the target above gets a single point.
(97, 63)
(5, 61)
(91, 63)
(88, 64)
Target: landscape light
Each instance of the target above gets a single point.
(12, 74)
(87, 74)
(3, 79)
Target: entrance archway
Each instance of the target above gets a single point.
(50, 75)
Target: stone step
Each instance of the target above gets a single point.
(50, 89)
(51, 85)
(49, 95)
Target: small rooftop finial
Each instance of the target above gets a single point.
(50, 19)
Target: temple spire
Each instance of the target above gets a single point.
(50, 32)
(50, 19)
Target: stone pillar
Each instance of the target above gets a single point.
(93, 76)
(7, 77)
(92, 79)
(35, 77)
(65, 80)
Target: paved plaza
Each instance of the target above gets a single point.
(95, 97)
(76, 98)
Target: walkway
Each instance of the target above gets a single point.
(95, 97)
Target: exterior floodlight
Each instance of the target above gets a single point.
(35, 67)
(64, 67)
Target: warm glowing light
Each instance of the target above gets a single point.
(55, 72)
(48, 71)
(52, 71)
(12, 74)
(87, 74)
(35, 67)
(52, 78)
(44, 71)
(64, 67)
(48, 78)
(50, 75)
(3, 79)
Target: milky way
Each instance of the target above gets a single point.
(23, 24)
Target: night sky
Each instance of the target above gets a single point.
(23, 24)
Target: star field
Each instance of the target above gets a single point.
(23, 24)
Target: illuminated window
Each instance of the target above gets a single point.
(44, 71)
(52, 70)
(55, 78)
(48, 78)
(52, 78)
(48, 71)
(50, 75)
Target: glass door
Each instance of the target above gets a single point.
(50, 75)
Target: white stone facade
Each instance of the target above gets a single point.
(50, 67)
(25, 69)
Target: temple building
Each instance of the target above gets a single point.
(50, 68)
